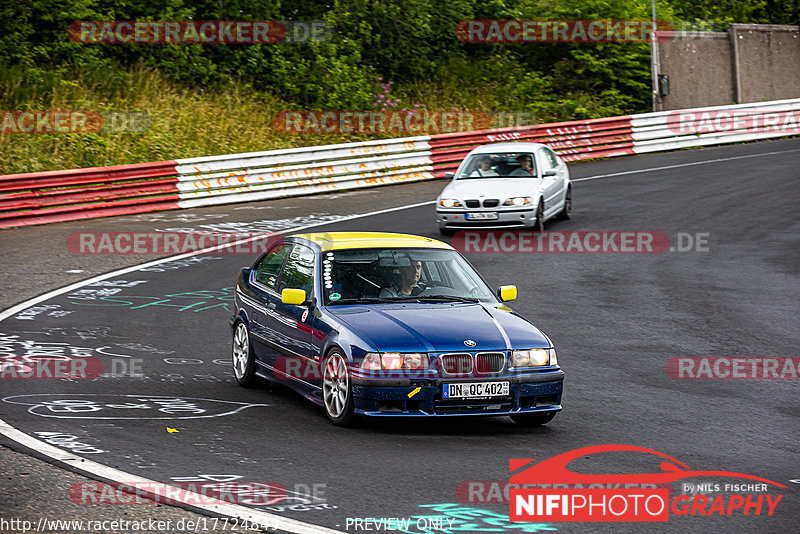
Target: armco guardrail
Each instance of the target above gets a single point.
(43, 197)
(39, 198)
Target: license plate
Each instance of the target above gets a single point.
(468, 390)
(486, 216)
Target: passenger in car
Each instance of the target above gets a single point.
(484, 168)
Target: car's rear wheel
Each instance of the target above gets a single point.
(337, 393)
(532, 419)
(538, 225)
(566, 212)
(244, 365)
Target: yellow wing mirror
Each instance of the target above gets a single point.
(507, 293)
(297, 296)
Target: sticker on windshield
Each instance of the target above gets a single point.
(335, 296)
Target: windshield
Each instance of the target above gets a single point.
(498, 165)
(391, 275)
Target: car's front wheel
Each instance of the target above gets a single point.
(566, 211)
(244, 365)
(532, 419)
(337, 393)
(538, 224)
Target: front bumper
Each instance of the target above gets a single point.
(506, 218)
(538, 392)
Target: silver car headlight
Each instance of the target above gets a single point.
(517, 201)
(533, 358)
(395, 361)
(449, 203)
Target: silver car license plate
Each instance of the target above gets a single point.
(467, 390)
(485, 216)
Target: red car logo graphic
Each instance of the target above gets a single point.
(554, 470)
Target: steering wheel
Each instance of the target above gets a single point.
(421, 287)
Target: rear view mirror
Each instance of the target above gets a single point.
(449, 174)
(293, 296)
(507, 293)
(551, 172)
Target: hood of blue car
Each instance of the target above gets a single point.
(418, 327)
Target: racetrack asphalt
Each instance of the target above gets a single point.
(615, 319)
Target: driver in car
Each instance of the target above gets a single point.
(409, 277)
(525, 166)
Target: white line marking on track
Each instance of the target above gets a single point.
(676, 166)
(191, 499)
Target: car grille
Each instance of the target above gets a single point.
(494, 404)
(473, 203)
(456, 364)
(490, 362)
(490, 203)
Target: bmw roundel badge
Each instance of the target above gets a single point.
(469, 343)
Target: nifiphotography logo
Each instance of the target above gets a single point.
(548, 491)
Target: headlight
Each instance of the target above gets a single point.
(371, 361)
(449, 203)
(533, 358)
(391, 361)
(517, 201)
(395, 361)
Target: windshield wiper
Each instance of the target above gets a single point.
(427, 298)
(444, 298)
(368, 300)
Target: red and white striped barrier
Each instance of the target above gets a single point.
(54, 196)
(670, 130)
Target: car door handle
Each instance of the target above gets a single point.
(271, 305)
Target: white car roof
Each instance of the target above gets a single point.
(519, 146)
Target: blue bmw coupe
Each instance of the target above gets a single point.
(389, 325)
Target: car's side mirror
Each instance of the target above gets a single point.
(449, 174)
(551, 172)
(507, 293)
(293, 296)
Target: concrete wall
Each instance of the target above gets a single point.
(749, 63)
(769, 62)
(699, 69)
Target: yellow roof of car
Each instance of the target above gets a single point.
(342, 240)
